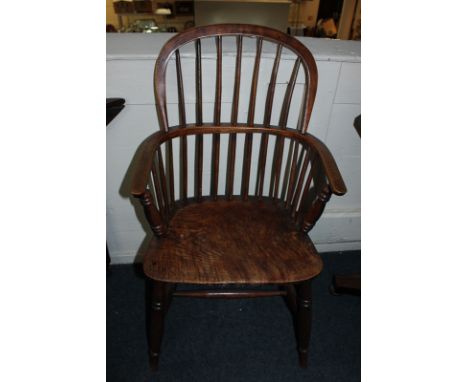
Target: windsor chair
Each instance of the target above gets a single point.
(236, 216)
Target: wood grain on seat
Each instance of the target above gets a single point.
(234, 242)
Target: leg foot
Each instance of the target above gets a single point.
(154, 361)
(303, 358)
(304, 317)
(158, 308)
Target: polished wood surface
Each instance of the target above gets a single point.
(232, 242)
(304, 59)
(257, 233)
(228, 294)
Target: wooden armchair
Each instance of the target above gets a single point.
(210, 229)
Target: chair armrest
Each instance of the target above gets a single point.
(328, 181)
(335, 180)
(144, 162)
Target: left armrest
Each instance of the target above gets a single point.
(144, 162)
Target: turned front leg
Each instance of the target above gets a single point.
(304, 318)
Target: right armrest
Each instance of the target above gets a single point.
(336, 182)
(328, 181)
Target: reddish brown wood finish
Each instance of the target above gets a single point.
(240, 30)
(303, 319)
(232, 242)
(229, 294)
(245, 237)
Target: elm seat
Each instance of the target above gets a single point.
(232, 242)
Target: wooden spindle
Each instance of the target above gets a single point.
(295, 178)
(302, 112)
(162, 177)
(217, 119)
(152, 215)
(309, 193)
(198, 122)
(170, 171)
(279, 146)
(287, 169)
(266, 122)
(316, 209)
(183, 168)
(300, 180)
(290, 173)
(253, 89)
(180, 90)
(276, 167)
(215, 166)
(305, 194)
(272, 87)
(237, 78)
(288, 95)
(157, 185)
(219, 67)
(250, 122)
(231, 165)
(198, 166)
(234, 112)
(198, 83)
(261, 164)
(182, 122)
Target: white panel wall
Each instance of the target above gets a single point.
(130, 64)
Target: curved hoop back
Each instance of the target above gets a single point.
(304, 59)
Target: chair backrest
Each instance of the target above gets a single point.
(279, 42)
(233, 157)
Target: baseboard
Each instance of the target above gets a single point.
(124, 258)
(338, 247)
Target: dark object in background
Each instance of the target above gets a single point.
(309, 31)
(143, 26)
(357, 124)
(346, 284)
(110, 28)
(350, 283)
(184, 8)
(143, 6)
(169, 6)
(124, 7)
(113, 107)
(330, 9)
(326, 28)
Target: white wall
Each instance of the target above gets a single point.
(130, 64)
